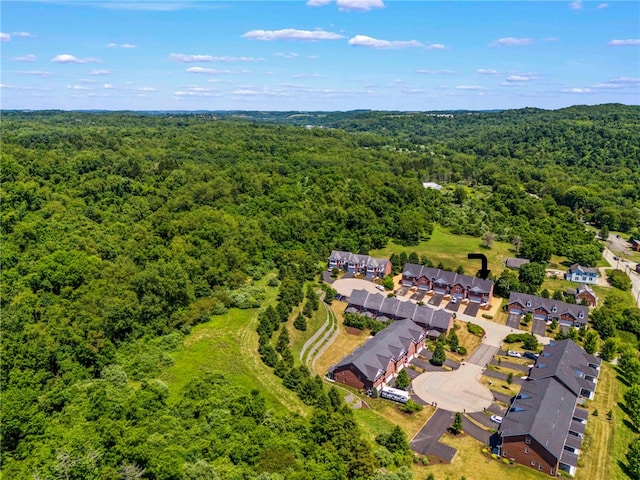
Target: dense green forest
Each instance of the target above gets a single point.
(121, 231)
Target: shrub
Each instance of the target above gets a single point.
(494, 455)
(462, 350)
(487, 316)
(505, 461)
(411, 407)
(484, 450)
(475, 329)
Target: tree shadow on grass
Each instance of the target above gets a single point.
(625, 468)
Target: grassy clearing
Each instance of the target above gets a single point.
(452, 251)
(466, 339)
(344, 344)
(299, 338)
(609, 439)
(472, 464)
(500, 386)
(228, 344)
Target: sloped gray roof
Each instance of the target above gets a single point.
(543, 410)
(358, 259)
(446, 277)
(576, 267)
(569, 458)
(515, 262)
(373, 357)
(547, 304)
(566, 362)
(421, 314)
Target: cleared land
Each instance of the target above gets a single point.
(452, 251)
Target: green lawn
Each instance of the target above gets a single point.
(452, 251)
(228, 344)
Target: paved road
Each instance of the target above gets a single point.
(426, 440)
(628, 268)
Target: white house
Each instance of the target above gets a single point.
(579, 274)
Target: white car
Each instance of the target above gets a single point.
(380, 287)
(511, 353)
(496, 418)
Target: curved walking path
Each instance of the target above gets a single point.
(314, 355)
(315, 336)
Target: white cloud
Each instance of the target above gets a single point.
(364, 41)
(308, 75)
(577, 90)
(26, 58)
(286, 55)
(436, 46)
(312, 57)
(359, 5)
(208, 71)
(602, 5)
(37, 73)
(318, 3)
(5, 37)
(181, 57)
(511, 42)
(550, 39)
(77, 87)
(291, 34)
(576, 5)
(124, 45)
(412, 91)
(487, 71)
(22, 34)
(245, 91)
(519, 78)
(469, 87)
(192, 93)
(108, 86)
(622, 43)
(100, 72)
(620, 82)
(436, 72)
(67, 58)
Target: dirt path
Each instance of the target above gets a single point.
(315, 336)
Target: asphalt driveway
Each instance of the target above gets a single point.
(539, 327)
(513, 320)
(426, 441)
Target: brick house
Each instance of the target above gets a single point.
(378, 361)
(577, 273)
(635, 244)
(544, 426)
(364, 264)
(584, 293)
(443, 282)
(380, 307)
(567, 314)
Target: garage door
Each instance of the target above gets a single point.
(518, 312)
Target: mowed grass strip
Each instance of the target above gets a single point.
(228, 344)
(472, 464)
(299, 338)
(452, 251)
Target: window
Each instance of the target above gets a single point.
(551, 472)
(533, 463)
(527, 440)
(526, 449)
(539, 466)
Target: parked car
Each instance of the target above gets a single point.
(380, 287)
(496, 418)
(511, 353)
(531, 355)
(616, 258)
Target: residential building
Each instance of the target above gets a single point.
(364, 264)
(577, 273)
(378, 361)
(544, 425)
(443, 282)
(380, 307)
(635, 244)
(567, 314)
(515, 263)
(583, 294)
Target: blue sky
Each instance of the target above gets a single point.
(317, 54)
